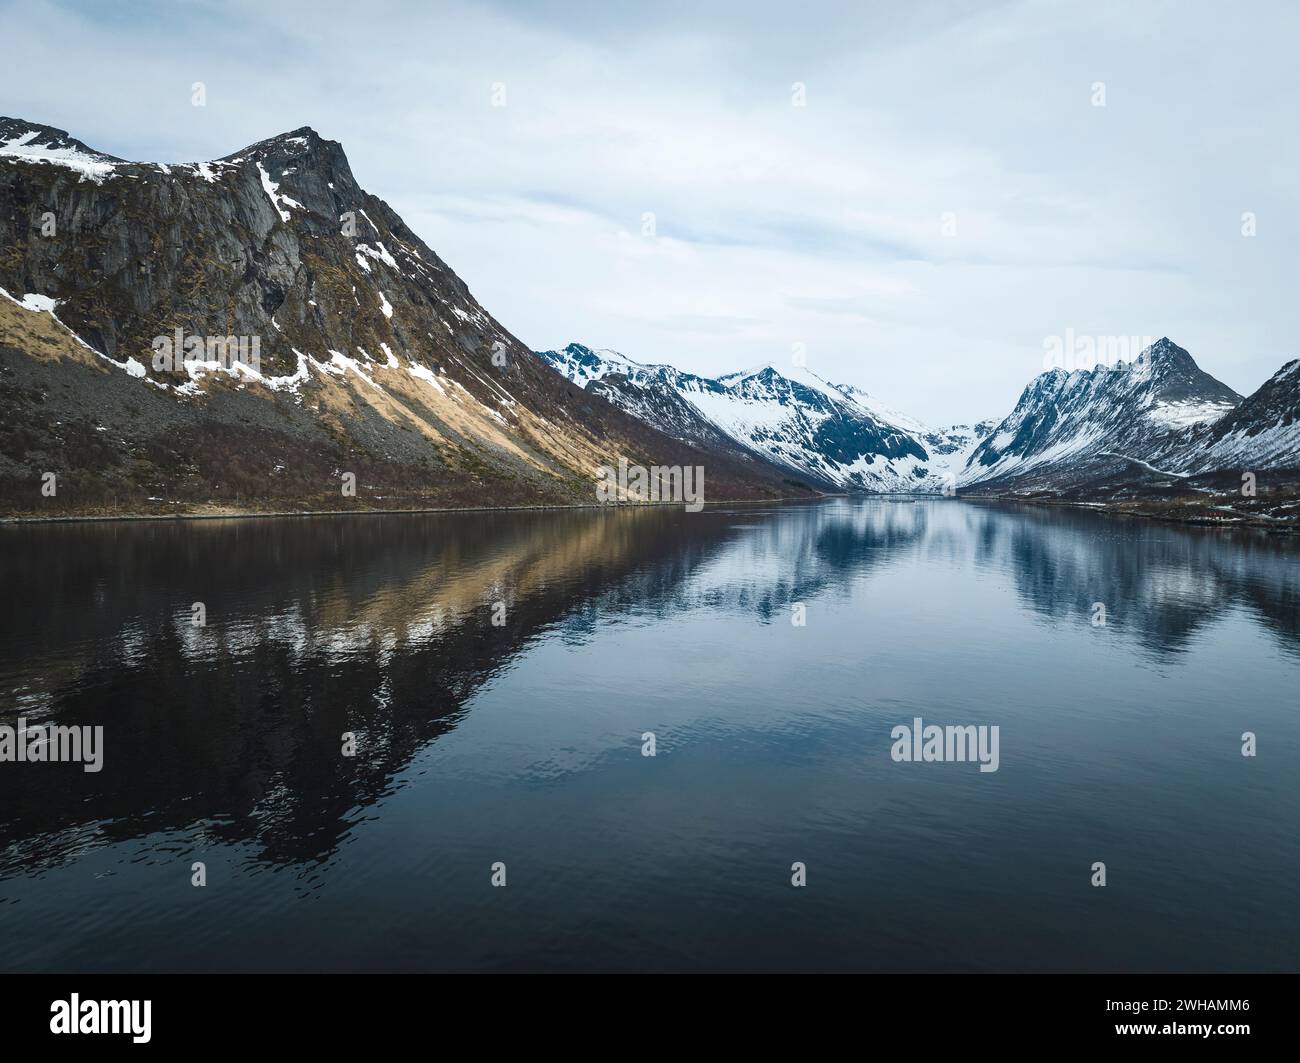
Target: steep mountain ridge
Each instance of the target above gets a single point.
(372, 356)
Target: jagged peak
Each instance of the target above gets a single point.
(302, 147)
(1165, 352)
(298, 141)
(1156, 359)
(315, 170)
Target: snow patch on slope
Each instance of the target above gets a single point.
(271, 188)
(28, 148)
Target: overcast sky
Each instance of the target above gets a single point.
(947, 199)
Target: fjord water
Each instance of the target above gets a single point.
(522, 743)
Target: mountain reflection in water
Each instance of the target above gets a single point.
(522, 742)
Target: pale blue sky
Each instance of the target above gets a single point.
(820, 225)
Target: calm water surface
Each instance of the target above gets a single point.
(522, 743)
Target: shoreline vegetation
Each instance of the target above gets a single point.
(240, 514)
(1219, 515)
(1214, 513)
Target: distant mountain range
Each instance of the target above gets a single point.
(1158, 416)
(835, 435)
(373, 359)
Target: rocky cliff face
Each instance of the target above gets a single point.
(246, 331)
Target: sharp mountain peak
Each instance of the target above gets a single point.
(303, 142)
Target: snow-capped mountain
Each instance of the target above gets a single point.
(950, 448)
(836, 434)
(657, 394)
(796, 418)
(373, 359)
(1157, 418)
(1069, 425)
(1263, 432)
